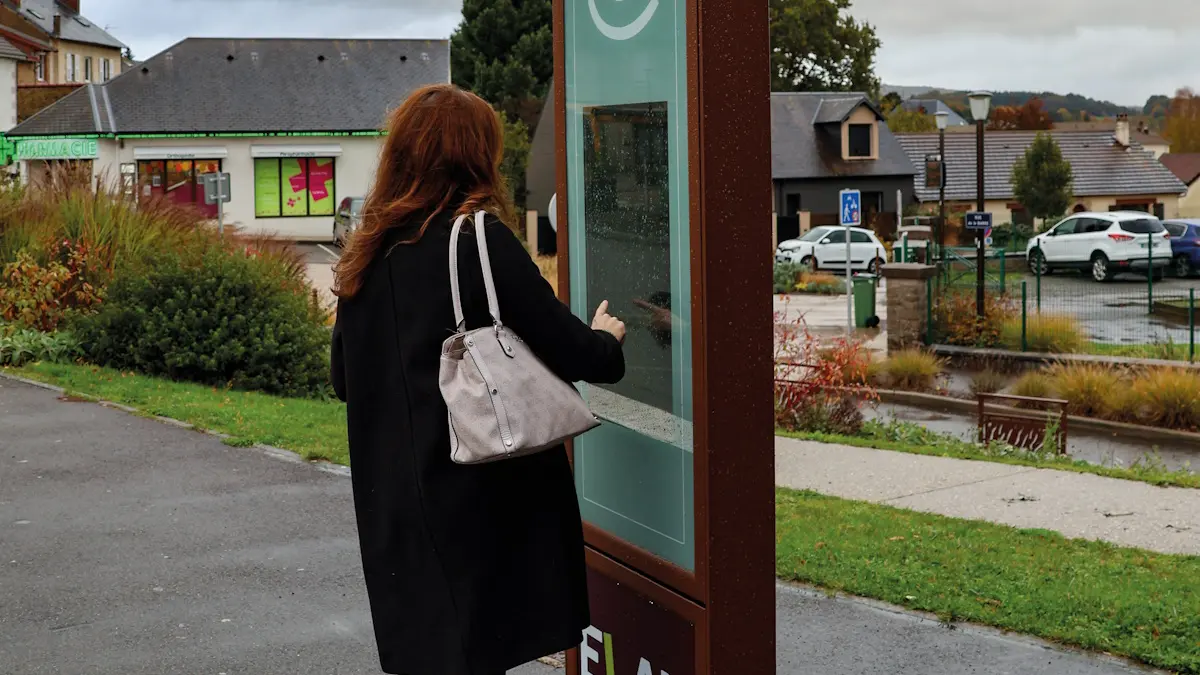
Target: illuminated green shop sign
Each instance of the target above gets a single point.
(59, 148)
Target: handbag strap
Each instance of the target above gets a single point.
(485, 262)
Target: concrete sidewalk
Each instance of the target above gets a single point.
(1126, 513)
(132, 547)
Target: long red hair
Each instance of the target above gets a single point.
(443, 150)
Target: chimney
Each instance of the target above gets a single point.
(1122, 133)
(72, 4)
(57, 25)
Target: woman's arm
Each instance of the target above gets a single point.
(567, 345)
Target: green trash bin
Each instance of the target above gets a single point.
(864, 300)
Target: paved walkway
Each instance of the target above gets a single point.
(1126, 513)
(132, 547)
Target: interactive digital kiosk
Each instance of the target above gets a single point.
(664, 210)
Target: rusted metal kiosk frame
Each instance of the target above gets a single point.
(730, 597)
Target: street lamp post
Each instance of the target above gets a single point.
(981, 103)
(943, 120)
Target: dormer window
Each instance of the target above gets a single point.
(859, 140)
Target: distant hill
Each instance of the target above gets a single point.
(1075, 105)
(905, 92)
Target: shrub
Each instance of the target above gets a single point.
(1086, 387)
(1124, 404)
(819, 389)
(1033, 385)
(786, 275)
(913, 370)
(957, 320)
(988, 382)
(19, 346)
(42, 295)
(1045, 333)
(236, 319)
(1169, 397)
(820, 283)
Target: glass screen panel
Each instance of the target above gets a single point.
(629, 244)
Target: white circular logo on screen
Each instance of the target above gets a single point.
(622, 32)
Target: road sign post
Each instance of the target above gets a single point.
(217, 191)
(850, 214)
(979, 222)
(678, 530)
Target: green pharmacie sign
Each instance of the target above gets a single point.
(59, 148)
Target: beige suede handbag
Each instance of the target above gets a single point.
(503, 402)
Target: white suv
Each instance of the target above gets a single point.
(1103, 244)
(825, 248)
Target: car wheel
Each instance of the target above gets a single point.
(1101, 268)
(873, 267)
(1183, 267)
(809, 262)
(1037, 262)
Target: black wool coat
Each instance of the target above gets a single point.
(470, 570)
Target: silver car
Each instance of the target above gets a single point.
(349, 214)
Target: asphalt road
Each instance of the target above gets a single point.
(132, 547)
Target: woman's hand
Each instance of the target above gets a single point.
(607, 323)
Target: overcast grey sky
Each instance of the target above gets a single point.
(1109, 49)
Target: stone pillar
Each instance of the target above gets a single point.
(907, 303)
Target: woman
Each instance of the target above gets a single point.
(471, 570)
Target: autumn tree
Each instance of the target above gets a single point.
(1042, 180)
(890, 102)
(1065, 115)
(817, 46)
(1031, 116)
(1182, 127)
(910, 121)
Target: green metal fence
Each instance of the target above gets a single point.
(1067, 312)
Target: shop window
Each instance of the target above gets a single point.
(177, 180)
(291, 187)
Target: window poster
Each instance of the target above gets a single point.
(295, 186)
(266, 188)
(320, 187)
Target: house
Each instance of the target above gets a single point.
(1112, 172)
(79, 50)
(296, 124)
(64, 50)
(933, 106)
(11, 59)
(823, 143)
(1140, 134)
(1186, 167)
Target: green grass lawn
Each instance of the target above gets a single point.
(314, 429)
(1124, 601)
(1163, 351)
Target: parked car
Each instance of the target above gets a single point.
(825, 248)
(1185, 246)
(349, 214)
(1103, 244)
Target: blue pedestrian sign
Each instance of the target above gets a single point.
(976, 220)
(851, 211)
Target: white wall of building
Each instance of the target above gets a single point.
(354, 170)
(8, 94)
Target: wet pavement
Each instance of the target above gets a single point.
(132, 547)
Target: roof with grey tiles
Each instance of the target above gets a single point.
(10, 51)
(806, 139)
(74, 26)
(1100, 165)
(210, 85)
